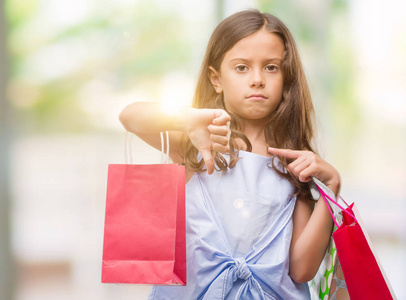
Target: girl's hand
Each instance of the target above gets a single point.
(208, 129)
(307, 164)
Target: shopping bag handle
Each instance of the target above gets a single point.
(344, 210)
(128, 151)
(164, 158)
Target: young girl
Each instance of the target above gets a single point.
(253, 229)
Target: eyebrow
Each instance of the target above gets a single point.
(247, 60)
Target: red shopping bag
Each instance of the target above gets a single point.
(364, 276)
(144, 231)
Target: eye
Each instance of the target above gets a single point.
(241, 68)
(271, 68)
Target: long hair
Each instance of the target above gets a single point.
(290, 126)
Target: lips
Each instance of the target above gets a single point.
(257, 97)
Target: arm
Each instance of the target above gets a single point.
(312, 225)
(207, 128)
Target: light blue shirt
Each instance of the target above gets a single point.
(238, 231)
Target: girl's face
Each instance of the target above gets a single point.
(250, 76)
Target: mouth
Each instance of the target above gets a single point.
(257, 97)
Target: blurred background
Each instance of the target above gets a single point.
(69, 67)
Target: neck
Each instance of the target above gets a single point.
(254, 129)
(255, 132)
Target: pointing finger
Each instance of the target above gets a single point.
(285, 152)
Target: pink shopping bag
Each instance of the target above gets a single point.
(363, 274)
(144, 231)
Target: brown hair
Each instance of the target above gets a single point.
(290, 126)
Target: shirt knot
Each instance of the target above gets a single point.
(243, 272)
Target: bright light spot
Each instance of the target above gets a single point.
(171, 106)
(246, 214)
(238, 203)
(177, 92)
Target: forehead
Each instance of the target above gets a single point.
(260, 44)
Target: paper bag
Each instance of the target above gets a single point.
(144, 233)
(363, 274)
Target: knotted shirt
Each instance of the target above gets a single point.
(238, 231)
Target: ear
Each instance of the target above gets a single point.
(214, 77)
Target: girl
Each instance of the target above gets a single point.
(253, 229)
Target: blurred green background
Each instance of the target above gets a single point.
(69, 67)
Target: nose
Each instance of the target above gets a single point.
(257, 80)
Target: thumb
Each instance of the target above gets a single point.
(208, 160)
